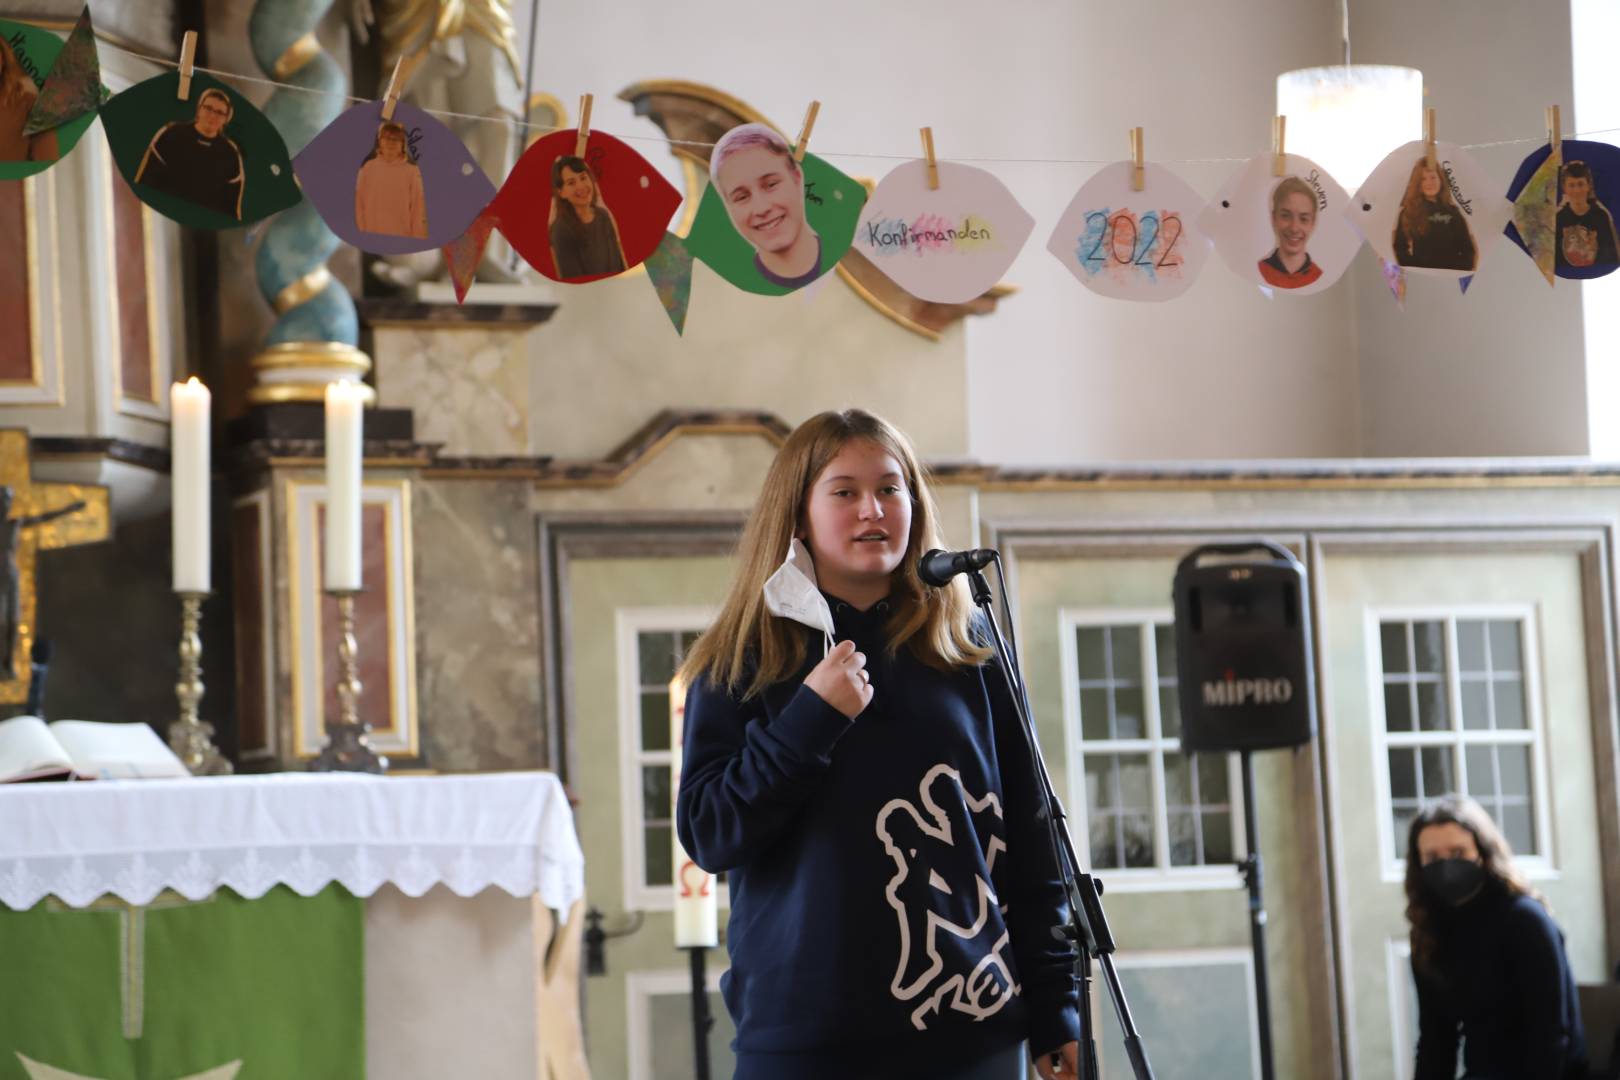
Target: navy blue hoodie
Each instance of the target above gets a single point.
(892, 888)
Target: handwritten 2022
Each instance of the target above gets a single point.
(1124, 245)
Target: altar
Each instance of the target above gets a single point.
(291, 924)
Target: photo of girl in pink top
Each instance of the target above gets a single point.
(388, 192)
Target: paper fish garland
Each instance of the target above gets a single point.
(1561, 209)
(1132, 245)
(948, 244)
(579, 219)
(210, 161)
(28, 60)
(1437, 220)
(768, 224)
(1287, 232)
(392, 187)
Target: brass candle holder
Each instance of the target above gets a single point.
(189, 737)
(346, 748)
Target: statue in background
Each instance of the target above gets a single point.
(466, 58)
(11, 601)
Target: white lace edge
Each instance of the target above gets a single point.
(139, 878)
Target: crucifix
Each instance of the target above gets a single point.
(37, 516)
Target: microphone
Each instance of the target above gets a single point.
(40, 655)
(938, 567)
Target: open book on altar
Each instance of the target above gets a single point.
(31, 749)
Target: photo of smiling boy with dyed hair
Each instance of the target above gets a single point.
(762, 187)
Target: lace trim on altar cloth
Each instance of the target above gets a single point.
(362, 869)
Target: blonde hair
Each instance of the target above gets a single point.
(748, 649)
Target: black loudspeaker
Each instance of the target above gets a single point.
(1243, 648)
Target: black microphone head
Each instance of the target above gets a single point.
(41, 652)
(929, 567)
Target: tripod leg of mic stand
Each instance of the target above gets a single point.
(1253, 878)
(1089, 1068)
(701, 1021)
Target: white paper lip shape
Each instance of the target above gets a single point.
(1261, 243)
(1463, 219)
(1132, 245)
(950, 244)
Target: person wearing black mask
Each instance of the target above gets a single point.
(1488, 960)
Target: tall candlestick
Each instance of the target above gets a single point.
(188, 477)
(343, 457)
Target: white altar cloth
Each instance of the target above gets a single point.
(135, 838)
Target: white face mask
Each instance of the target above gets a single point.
(791, 592)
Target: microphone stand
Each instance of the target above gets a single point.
(1087, 925)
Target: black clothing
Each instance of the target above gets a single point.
(585, 250)
(892, 889)
(1445, 245)
(182, 163)
(1501, 981)
(1586, 239)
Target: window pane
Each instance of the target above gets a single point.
(1169, 712)
(1514, 762)
(1397, 707)
(1393, 637)
(1183, 839)
(1178, 790)
(1471, 645)
(1089, 646)
(1428, 640)
(1164, 640)
(1125, 651)
(1437, 778)
(655, 795)
(1102, 787)
(1213, 780)
(1481, 773)
(1403, 825)
(1476, 704)
(1505, 651)
(659, 855)
(1094, 713)
(1218, 838)
(688, 639)
(1130, 722)
(1105, 853)
(1517, 827)
(1509, 695)
(1138, 829)
(1403, 773)
(655, 721)
(1431, 699)
(657, 654)
(1135, 783)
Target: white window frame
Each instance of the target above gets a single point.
(1402, 1003)
(640, 987)
(1163, 877)
(629, 624)
(1392, 849)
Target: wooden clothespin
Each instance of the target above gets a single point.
(1555, 129)
(1279, 146)
(584, 125)
(396, 86)
(188, 52)
(1428, 139)
(1138, 174)
(928, 154)
(804, 132)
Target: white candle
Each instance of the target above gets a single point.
(697, 905)
(188, 479)
(343, 442)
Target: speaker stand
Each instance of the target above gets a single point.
(1253, 878)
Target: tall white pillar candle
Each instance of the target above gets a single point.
(697, 905)
(188, 479)
(343, 450)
